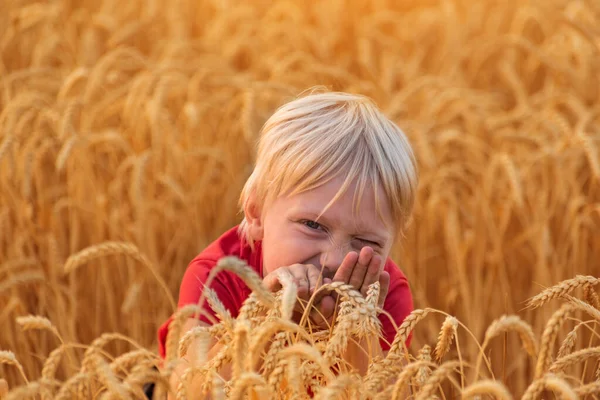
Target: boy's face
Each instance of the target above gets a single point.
(291, 234)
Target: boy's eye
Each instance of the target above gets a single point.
(369, 242)
(313, 225)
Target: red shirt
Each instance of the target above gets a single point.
(232, 291)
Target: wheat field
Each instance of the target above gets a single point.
(127, 130)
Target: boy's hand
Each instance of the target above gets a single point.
(307, 278)
(361, 270)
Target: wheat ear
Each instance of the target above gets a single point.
(405, 376)
(588, 389)
(436, 378)
(591, 296)
(574, 358)
(445, 337)
(561, 289)
(486, 387)
(549, 382)
(514, 323)
(175, 327)
(31, 322)
(583, 306)
(29, 390)
(117, 248)
(8, 357)
(336, 388)
(404, 330)
(569, 343)
(549, 337)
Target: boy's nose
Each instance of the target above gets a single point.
(331, 259)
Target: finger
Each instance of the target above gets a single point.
(360, 269)
(301, 280)
(321, 293)
(314, 277)
(345, 270)
(271, 281)
(323, 316)
(384, 287)
(372, 275)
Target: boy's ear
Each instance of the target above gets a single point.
(252, 212)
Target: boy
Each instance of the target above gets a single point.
(333, 187)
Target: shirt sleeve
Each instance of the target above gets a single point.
(398, 303)
(192, 286)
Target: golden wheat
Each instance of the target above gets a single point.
(129, 129)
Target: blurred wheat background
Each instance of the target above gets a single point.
(136, 122)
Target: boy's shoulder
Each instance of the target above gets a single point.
(230, 243)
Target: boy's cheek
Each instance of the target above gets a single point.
(284, 252)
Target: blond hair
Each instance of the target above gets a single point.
(315, 137)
